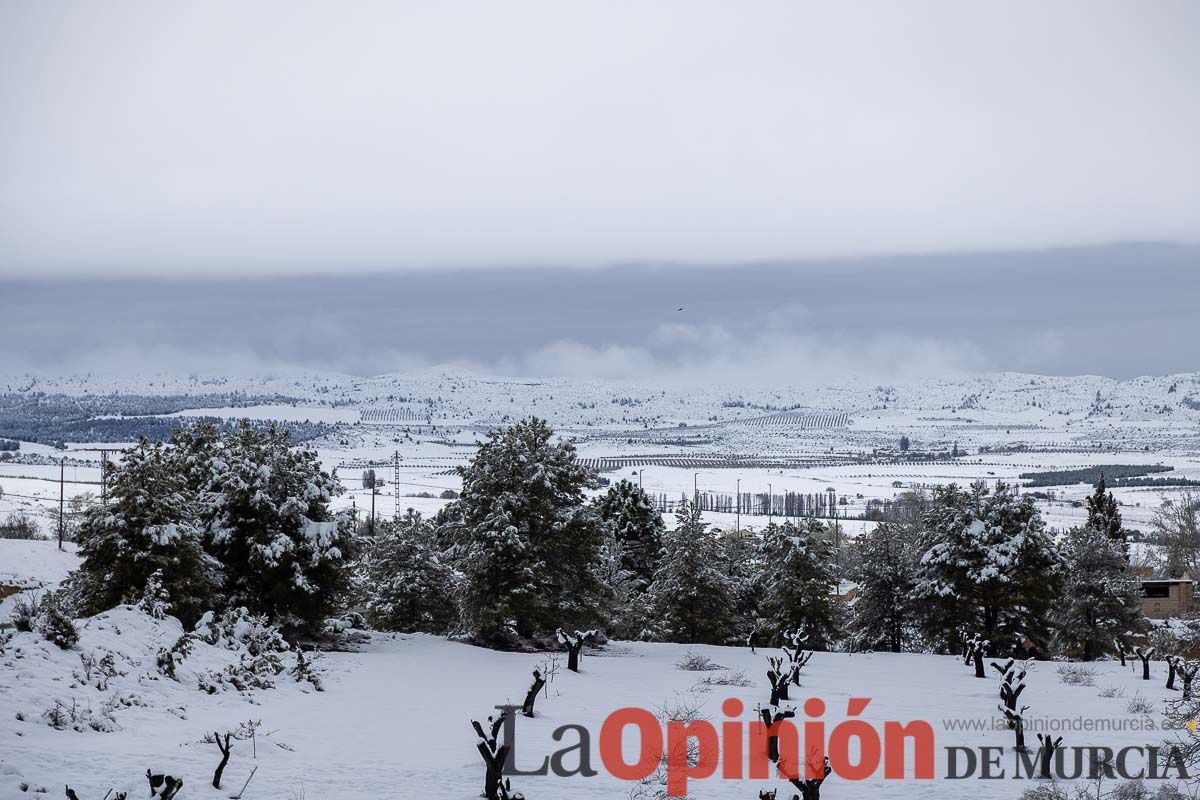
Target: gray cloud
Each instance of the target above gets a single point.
(1117, 310)
(279, 137)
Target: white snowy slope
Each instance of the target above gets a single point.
(394, 719)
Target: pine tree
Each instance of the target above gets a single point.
(882, 615)
(402, 582)
(632, 518)
(1100, 599)
(796, 582)
(523, 537)
(740, 556)
(629, 611)
(691, 592)
(148, 527)
(155, 602)
(1103, 513)
(987, 567)
(267, 519)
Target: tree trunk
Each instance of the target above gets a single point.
(225, 750)
(531, 695)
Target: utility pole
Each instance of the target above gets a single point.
(640, 471)
(739, 506)
(396, 484)
(770, 502)
(62, 499)
(696, 489)
(373, 493)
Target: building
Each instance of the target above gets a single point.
(1166, 597)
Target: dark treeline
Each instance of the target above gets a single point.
(1066, 477)
(789, 504)
(52, 419)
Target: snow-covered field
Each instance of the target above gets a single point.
(394, 716)
(792, 437)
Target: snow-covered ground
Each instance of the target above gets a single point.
(395, 717)
(680, 438)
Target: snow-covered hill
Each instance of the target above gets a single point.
(395, 718)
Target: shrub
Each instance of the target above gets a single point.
(1140, 705)
(238, 628)
(1077, 675)
(54, 624)
(169, 660)
(696, 662)
(25, 610)
(1112, 691)
(730, 677)
(19, 526)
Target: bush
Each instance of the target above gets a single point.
(1140, 705)
(1050, 791)
(19, 526)
(45, 615)
(696, 662)
(1112, 691)
(1077, 675)
(730, 677)
(57, 627)
(238, 628)
(169, 660)
(25, 611)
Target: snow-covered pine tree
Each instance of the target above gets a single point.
(402, 582)
(156, 601)
(796, 582)
(266, 516)
(691, 591)
(1099, 598)
(630, 516)
(741, 559)
(629, 611)
(987, 566)
(149, 526)
(523, 537)
(1103, 513)
(882, 615)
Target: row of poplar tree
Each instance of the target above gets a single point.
(242, 518)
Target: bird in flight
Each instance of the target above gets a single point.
(679, 309)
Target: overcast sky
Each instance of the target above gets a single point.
(537, 187)
(170, 137)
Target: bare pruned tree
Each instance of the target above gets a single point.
(225, 749)
(1046, 753)
(1172, 667)
(574, 645)
(494, 754)
(531, 695)
(1187, 671)
(978, 648)
(1144, 654)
